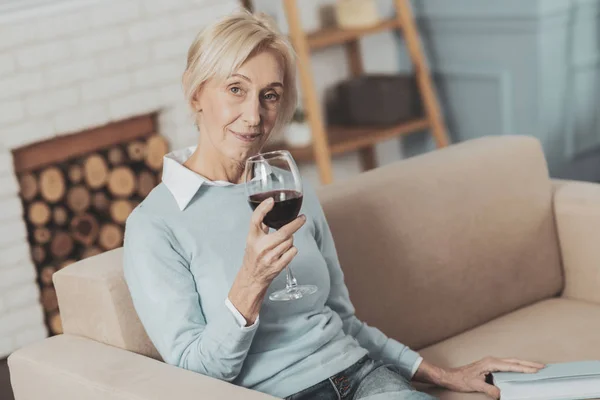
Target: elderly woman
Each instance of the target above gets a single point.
(199, 262)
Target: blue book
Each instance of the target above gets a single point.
(562, 381)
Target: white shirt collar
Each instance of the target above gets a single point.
(182, 182)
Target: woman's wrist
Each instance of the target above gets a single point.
(247, 296)
(429, 373)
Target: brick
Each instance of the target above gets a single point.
(7, 64)
(30, 335)
(172, 93)
(17, 85)
(62, 25)
(124, 59)
(12, 36)
(98, 41)
(11, 207)
(175, 48)
(158, 74)
(7, 346)
(16, 253)
(157, 7)
(198, 17)
(69, 73)
(11, 111)
(11, 231)
(105, 88)
(152, 29)
(34, 130)
(141, 102)
(80, 118)
(23, 317)
(16, 275)
(51, 101)
(114, 13)
(8, 185)
(22, 295)
(43, 54)
(6, 162)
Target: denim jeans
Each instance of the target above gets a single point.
(367, 379)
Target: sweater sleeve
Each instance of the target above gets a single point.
(168, 304)
(376, 342)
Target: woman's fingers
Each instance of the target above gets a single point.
(261, 212)
(495, 364)
(286, 258)
(284, 233)
(526, 363)
(273, 255)
(490, 390)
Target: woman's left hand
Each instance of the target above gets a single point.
(471, 377)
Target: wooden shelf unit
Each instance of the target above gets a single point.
(329, 141)
(332, 36)
(344, 139)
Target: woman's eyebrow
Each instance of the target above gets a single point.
(272, 84)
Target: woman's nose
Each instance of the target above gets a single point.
(252, 112)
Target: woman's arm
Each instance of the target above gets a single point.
(376, 342)
(166, 300)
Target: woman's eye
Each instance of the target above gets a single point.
(271, 96)
(235, 90)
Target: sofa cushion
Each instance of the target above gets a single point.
(94, 302)
(550, 331)
(440, 243)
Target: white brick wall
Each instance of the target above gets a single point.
(72, 70)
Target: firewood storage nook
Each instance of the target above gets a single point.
(78, 190)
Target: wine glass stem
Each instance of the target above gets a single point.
(290, 280)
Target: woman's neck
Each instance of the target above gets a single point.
(209, 163)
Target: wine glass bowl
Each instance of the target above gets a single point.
(276, 175)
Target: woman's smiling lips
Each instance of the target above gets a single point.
(246, 137)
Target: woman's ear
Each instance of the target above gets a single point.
(196, 103)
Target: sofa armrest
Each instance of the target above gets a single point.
(577, 213)
(72, 368)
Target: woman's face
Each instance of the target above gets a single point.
(238, 113)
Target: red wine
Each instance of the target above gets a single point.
(285, 210)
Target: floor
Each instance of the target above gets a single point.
(5, 390)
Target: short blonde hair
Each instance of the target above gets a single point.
(222, 47)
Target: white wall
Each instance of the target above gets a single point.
(71, 67)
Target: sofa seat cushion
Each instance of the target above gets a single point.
(550, 331)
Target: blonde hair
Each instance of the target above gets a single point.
(222, 47)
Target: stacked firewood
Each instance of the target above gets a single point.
(78, 208)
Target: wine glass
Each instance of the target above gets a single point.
(275, 174)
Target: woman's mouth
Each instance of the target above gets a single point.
(246, 137)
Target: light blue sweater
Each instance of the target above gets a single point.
(180, 264)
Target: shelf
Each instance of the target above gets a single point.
(346, 139)
(331, 36)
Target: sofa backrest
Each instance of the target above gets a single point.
(430, 246)
(442, 242)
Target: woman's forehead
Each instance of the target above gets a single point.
(263, 68)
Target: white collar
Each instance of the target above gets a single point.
(182, 182)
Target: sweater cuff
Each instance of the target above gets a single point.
(416, 366)
(406, 357)
(226, 333)
(239, 317)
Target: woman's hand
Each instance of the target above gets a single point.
(266, 255)
(471, 378)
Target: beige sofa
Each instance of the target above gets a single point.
(460, 253)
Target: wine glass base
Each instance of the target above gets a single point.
(293, 294)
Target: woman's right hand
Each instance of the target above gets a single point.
(267, 254)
